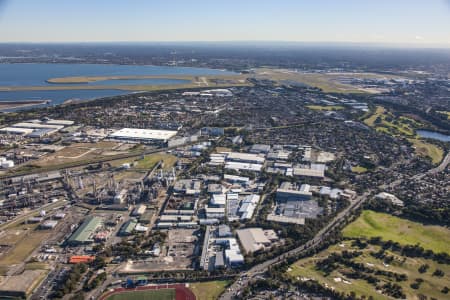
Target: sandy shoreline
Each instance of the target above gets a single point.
(7, 105)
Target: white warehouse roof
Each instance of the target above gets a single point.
(245, 157)
(143, 134)
(243, 166)
(60, 122)
(37, 126)
(14, 130)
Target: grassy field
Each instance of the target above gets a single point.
(22, 239)
(37, 266)
(210, 290)
(431, 286)
(426, 149)
(79, 152)
(328, 82)
(55, 161)
(150, 161)
(24, 246)
(359, 169)
(320, 81)
(390, 124)
(325, 107)
(379, 112)
(165, 294)
(373, 224)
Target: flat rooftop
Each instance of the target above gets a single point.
(252, 239)
(245, 157)
(36, 125)
(143, 134)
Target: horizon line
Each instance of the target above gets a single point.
(274, 42)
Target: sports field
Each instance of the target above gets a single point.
(210, 290)
(166, 294)
(374, 224)
(153, 292)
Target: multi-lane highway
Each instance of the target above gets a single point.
(245, 277)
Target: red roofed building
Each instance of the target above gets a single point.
(81, 259)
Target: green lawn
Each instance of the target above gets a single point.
(370, 121)
(373, 224)
(426, 149)
(151, 160)
(305, 269)
(210, 290)
(359, 169)
(165, 294)
(325, 107)
(391, 124)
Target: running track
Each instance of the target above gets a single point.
(181, 291)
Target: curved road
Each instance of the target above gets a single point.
(442, 166)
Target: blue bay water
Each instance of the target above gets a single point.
(433, 135)
(36, 75)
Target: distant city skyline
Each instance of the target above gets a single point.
(399, 22)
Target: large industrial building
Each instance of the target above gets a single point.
(248, 206)
(84, 233)
(245, 158)
(36, 128)
(313, 170)
(255, 239)
(238, 161)
(294, 204)
(145, 136)
(127, 227)
(188, 186)
(287, 192)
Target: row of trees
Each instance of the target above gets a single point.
(70, 280)
(410, 250)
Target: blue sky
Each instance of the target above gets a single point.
(422, 22)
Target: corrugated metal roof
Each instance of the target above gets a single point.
(84, 232)
(128, 227)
